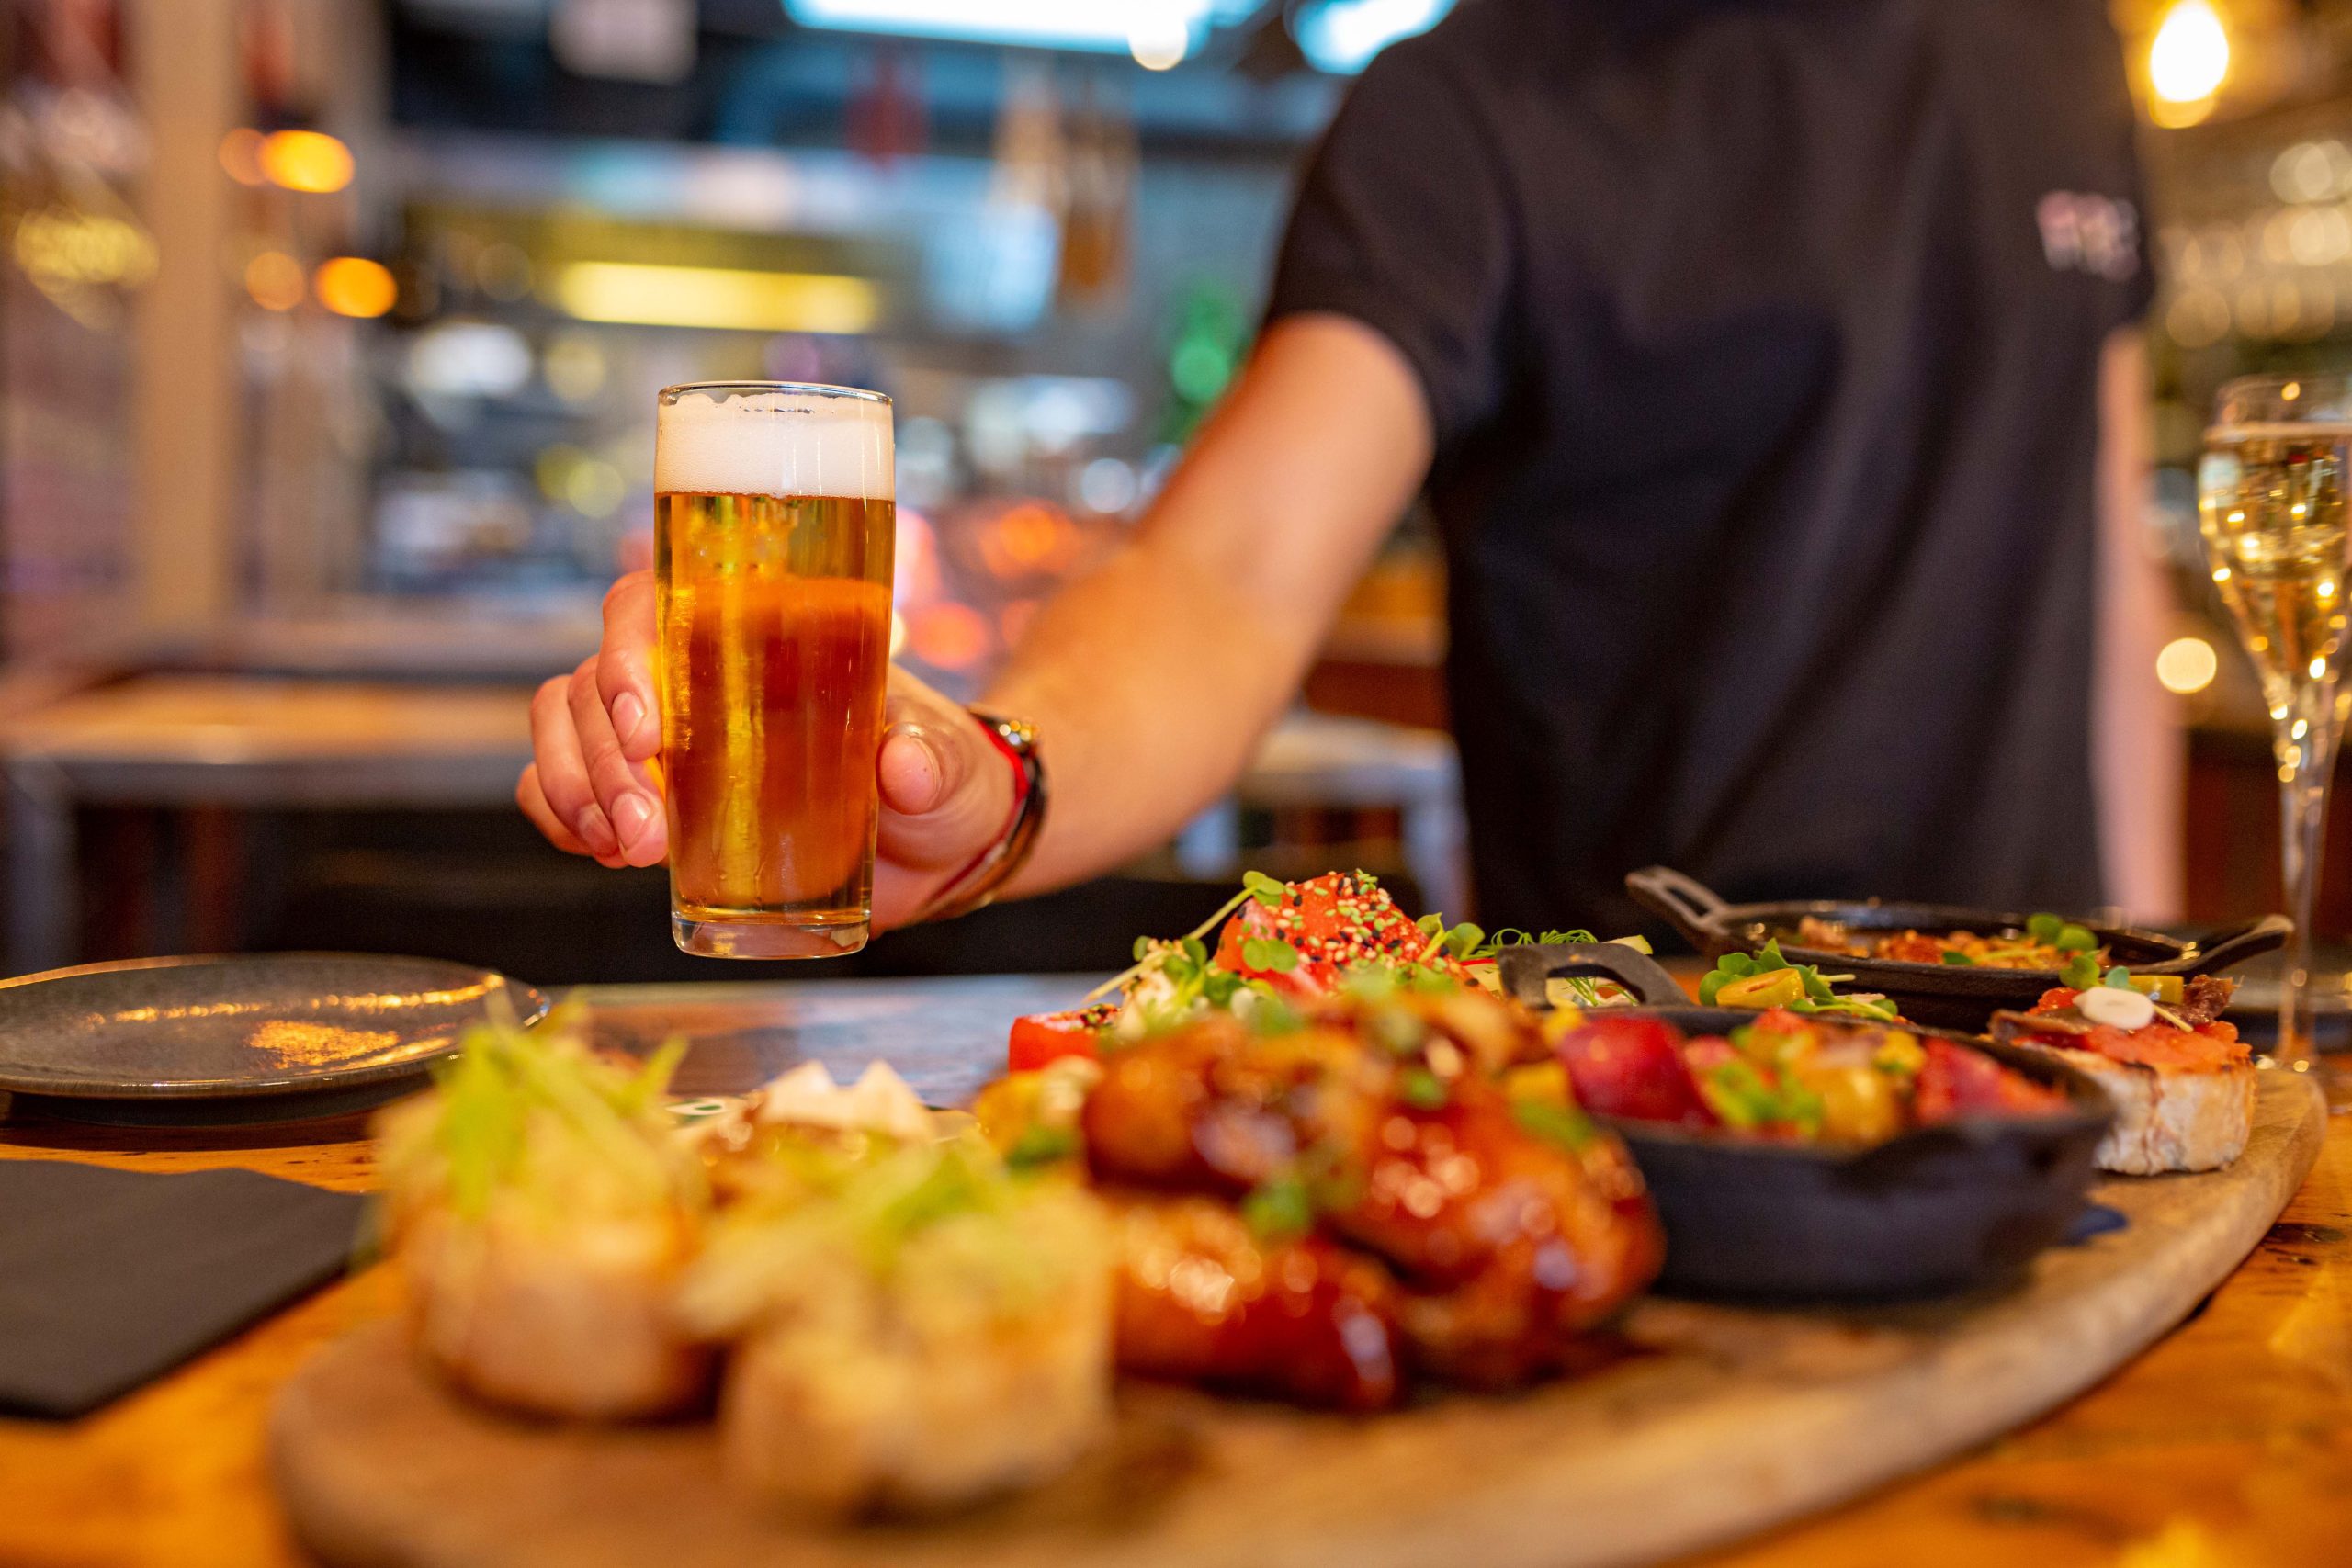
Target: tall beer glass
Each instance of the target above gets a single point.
(773, 509)
(2271, 504)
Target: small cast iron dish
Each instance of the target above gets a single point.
(1940, 995)
(1930, 1212)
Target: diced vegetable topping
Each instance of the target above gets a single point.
(1767, 979)
(1282, 945)
(1787, 1075)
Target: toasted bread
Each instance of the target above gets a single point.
(2166, 1118)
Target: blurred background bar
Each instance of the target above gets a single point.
(329, 332)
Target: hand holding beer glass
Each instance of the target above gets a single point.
(774, 520)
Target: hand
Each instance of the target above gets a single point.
(946, 792)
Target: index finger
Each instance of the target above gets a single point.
(625, 666)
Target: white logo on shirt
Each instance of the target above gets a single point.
(2082, 232)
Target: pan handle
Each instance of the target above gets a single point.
(2242, 942)
(1691, 905)
(1527, 971)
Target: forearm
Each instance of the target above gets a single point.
(1151, 687)
(1152, 679)
(2138, 755)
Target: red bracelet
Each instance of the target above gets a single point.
(1019, 796)
(976, 885)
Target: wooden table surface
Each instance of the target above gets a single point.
(2229, 1445)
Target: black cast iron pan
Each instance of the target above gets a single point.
(1940, 995)
(1928, 1213)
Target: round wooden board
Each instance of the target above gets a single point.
(1720, 1422)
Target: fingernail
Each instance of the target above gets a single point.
(627, 714)
(633, 815)
(595, 831)
(916, 734)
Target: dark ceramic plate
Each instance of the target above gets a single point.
(230, 1040)
(1941, 996)
(1928, 1213)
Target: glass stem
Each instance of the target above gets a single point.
(2302, 798)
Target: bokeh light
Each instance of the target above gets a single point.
(595, 488)
(503, 272)
(306, 161)
(1160, 36)
(948, 635)
(2187, 665)
(275, 280)
(914, 562)
(575, 366)
(2191, 55)
(356, 287)
(1028, 538)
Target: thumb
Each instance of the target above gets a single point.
(946, 791)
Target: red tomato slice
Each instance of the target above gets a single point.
(1043, 1037)
(1333, 922)
(1633, 1067)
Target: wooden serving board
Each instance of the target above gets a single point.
(1721, 1421)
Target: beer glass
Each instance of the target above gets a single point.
(773, 509)
(2271, 507)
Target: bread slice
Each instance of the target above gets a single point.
(2166, 1118)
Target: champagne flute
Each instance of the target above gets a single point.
(2271, 506)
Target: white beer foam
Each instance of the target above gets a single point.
(719, 443)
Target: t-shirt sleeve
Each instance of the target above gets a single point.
(1403, 224)
(2130, 301)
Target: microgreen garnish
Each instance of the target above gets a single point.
(1422, 1088)
(1511, 936)
(1270, 953)
(1148, 953)
(1561, 1125)
(1279, 1210)
(1271, 1015)
(1747, 1094)
(1041, 1145)
(1263, 888)
(1818, 998)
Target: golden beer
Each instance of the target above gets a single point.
(773, 523)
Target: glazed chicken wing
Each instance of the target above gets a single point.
(1512, 1234)
(1202, 1298)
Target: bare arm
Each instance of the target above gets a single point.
(1152, 679)
(2138, 757)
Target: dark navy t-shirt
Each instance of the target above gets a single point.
(1761, 341)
